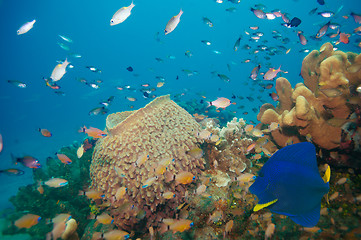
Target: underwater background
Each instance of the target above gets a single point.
(136, 43)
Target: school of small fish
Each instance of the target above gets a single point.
(259, 52)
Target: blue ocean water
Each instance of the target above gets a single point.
(30, 57)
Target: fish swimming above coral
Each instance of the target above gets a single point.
(290, 184)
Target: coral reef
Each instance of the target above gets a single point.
(48, 202)
(161, 130)
(225, 148)
(325, 109)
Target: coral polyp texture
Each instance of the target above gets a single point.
(326, 108)
(145, 151)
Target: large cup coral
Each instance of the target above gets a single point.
(161, 130)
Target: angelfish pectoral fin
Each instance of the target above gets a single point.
(327, 176)
(261, 206)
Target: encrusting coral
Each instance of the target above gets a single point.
(318, 109)
(161, 132)
(226, 147)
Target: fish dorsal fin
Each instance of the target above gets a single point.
(327, 176)
(264, 205)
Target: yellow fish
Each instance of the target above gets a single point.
(120, 193)
(184, 178)
(104, 218)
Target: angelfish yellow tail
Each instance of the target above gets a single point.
(327, 176)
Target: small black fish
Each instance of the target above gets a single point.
(60, 93)
(250, 99)
(145, 94)
(233, 96)
(130, 69)
(98, 111)
(295, 22)
(312, 11)
(321, 2)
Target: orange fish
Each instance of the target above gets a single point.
(93, 132)
(180, 225)
(27, 221)
(250, 147)
(111, 235)
(160, 169)
(141, 159)
(45, 132)
(344, 38)
(40, 189)
(12, 171)
(269, 86)
(302, 38)
(56, 182)
(92, 194)
(228, 228)
(104, 218)
(254, 72)
(274, 96)
(358, 29)
(149, 181)
(168, 195)
(120, 193)
(88, 144)
(195, 152)
(63, 217)
(322, 30)
(58, 230)
(249, 128)
(63, 158)
(184, 178)
(356, 17)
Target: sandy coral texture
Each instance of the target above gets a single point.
(162, 130)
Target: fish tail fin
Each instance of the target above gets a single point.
(327, 176)
(209, 104)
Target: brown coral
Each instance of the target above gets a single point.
(306, 111)
(162, 130)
